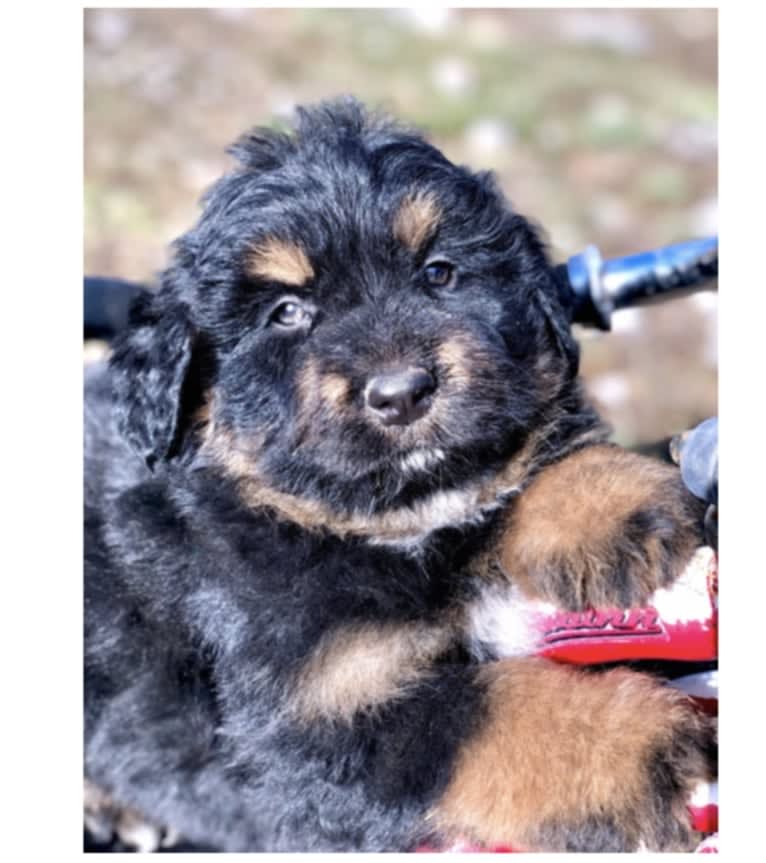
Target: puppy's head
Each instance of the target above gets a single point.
(361, 324)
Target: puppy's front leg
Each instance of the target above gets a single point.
(602, 527)
(572, 761)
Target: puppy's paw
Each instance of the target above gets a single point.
(652, 811)
(123, 827)
(573, 761)
(603, 527)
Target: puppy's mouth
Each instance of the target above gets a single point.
(421, 504)
(398, 495)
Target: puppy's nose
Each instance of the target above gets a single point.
(400, 397)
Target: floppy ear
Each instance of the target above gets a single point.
(149, 365)
(546, 293)
(559, 325)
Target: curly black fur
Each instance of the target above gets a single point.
(207, 591)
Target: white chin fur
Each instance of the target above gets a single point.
(421, 460)
(441, 509)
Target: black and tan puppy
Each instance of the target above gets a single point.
(349, 415)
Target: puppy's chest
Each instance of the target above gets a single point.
(304, 595)
(348, 627)
(336, 580)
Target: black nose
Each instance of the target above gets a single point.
(400, 397)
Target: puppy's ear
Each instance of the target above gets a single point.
(558, 322)
(150, 365)
(530, 253)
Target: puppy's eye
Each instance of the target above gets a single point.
(291, 314)
(440, 274)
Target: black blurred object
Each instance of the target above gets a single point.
(107, 305)
(592, 289)
(696, 451)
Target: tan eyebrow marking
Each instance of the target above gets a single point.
(417, 219)
(279, 261)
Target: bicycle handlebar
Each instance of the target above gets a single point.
(592, 289)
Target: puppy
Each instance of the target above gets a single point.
(351, 413)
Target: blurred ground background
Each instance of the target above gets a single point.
(600, 123)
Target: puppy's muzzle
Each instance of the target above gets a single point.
(400, 396)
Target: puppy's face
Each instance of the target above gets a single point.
(374, 317)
